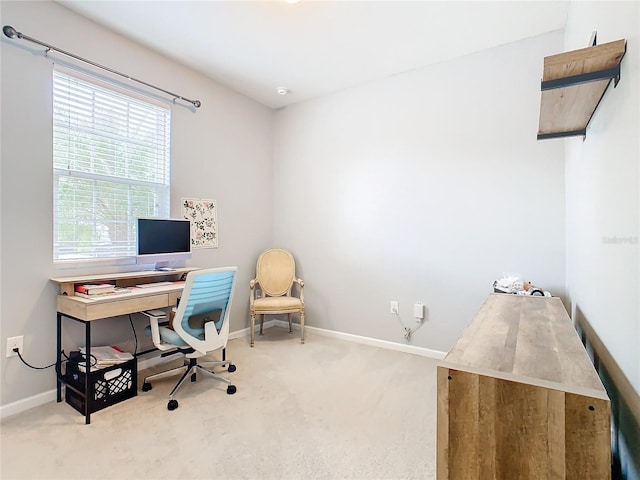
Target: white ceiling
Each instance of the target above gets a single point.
(317, 47)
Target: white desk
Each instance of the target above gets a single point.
(87, 310)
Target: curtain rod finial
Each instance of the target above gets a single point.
(10, 32)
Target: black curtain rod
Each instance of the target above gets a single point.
(11, 32)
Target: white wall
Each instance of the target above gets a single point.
(222, 151)
(426, 186)
(603, 205)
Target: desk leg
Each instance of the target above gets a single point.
(58, 357)
(88, 387)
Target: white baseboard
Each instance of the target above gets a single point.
(50, 396)
(27, 403)
(374, 342)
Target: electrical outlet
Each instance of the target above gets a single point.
(393, 307)
(14, 342)
(418, 311)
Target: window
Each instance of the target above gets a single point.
(111, 164)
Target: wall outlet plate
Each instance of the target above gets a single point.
(393, 307)
(14, 342)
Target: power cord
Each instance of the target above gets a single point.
(31, 366)
(74, 358)
(135, 337)
(407, 331)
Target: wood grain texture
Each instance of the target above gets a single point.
(442, 427)
(584, 60)
(528, 339)
(89, 310)
(570, 108)
(137, 275)
(588, 430)
(519, 398)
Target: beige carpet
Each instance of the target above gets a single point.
(328, 409)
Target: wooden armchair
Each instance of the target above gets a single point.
(272, 287)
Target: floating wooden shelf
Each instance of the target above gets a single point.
(573, 84)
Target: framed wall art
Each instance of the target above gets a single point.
(204, 221)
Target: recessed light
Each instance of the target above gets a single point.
(282, 91)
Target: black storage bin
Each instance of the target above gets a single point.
(107, 386)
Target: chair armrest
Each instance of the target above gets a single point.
(253, 291)
(212, 339)
(300, 282)
(155, 329)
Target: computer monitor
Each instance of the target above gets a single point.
(161, 240)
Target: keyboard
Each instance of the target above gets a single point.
(154, 284)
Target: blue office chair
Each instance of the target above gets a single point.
(200, 326)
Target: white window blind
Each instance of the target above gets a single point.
(111, 164)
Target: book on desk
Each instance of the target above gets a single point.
(95, 289)
(116, 291)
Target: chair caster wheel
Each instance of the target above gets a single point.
(231, 389)
(172, 405)
(146, 386)
(232, 368)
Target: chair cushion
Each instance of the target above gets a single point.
(282, 304)
(167, 335)
(194, 326)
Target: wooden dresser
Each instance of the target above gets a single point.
(518, 398)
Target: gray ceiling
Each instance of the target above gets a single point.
(317, 47)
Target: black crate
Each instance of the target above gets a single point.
(107, 386)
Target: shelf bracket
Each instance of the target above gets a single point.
(606, 74)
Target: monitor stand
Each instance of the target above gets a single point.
(163, 267)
